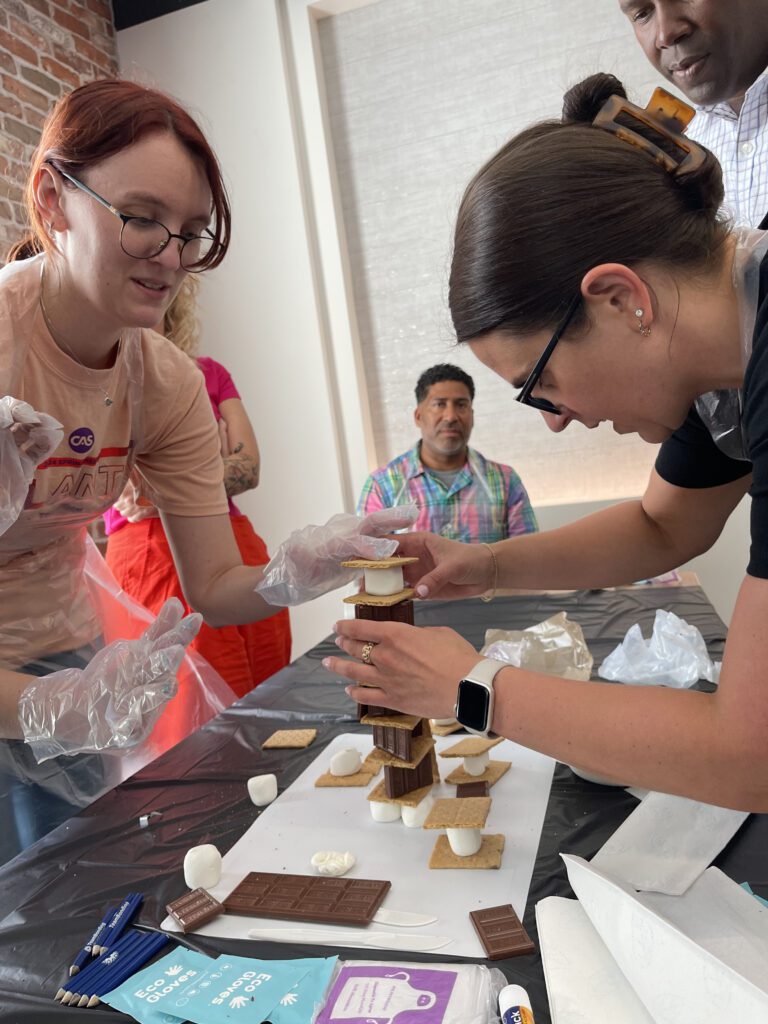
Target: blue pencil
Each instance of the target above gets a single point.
(110, 980)
(120, 920)
(84, 978)
(85, 954)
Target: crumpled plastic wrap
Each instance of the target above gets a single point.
(18, 461)
(555, 647)
(676, 655)
(308, 563)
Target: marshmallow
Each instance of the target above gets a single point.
(383, 582)
(476, 765)
(414, 817)
(464, 841)
(262, 789)
(202, 867)
(331, 862)
(346, 762)
(443, 721)
(384, 812)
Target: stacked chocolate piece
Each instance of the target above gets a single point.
(403, 744)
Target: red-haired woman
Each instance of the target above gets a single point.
(125, 198)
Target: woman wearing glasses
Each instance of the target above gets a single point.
(591, 269)
(125, 198)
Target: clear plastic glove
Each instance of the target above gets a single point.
(26, 439)
(308, 564)
(112, 703)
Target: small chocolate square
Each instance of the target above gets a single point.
(501, 932)
(470, 789)
(194, 909)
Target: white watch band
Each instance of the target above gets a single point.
(485, 671)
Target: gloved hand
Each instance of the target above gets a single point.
(308, 564)
(26, 439)
(112, 703)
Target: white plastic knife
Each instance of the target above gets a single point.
(331, 937)
(402, 918)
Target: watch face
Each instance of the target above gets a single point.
(472, 705)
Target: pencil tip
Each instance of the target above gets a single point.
(60, 993)
(94, 1001)
(83, 1000)
(73, 970)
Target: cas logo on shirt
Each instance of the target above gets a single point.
(81, 440)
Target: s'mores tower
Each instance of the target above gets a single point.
(403, 744)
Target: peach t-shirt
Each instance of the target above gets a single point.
(161, 420)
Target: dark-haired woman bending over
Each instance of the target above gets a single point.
(591, 269)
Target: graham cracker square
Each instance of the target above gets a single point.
(395, 720)
(451, 812)
(420, 747)
(290, 739)
(369, 765)
(493, 772)
(472, 746)
(487, 857)
(380, 563)
(412, 799)
(444, 730)
(380, 600)
(360, 778)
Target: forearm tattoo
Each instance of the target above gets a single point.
(241, 473)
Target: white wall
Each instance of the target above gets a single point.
(223, 60)
(266, 313)
(720, 570)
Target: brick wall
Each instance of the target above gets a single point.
(47, 47)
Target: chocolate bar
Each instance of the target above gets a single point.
(351, 901)
(399, 781)
(470, 789)
(194, 909)
(501, 932)
(401, 612)
(397, 741)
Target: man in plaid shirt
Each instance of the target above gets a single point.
(716, 52)
(460, 494)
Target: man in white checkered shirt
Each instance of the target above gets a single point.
(716, 52)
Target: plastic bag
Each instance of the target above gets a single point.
(555, 647)
(308, 563)
(382, 993)
(18, 462)
(676, 655)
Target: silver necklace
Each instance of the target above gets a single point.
(108, 400)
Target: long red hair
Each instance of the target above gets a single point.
(100, 119)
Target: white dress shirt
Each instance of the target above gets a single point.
(740, 143)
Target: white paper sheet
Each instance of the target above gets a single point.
(667, 842)
(584, 983)
(305, 819)
(669, 948)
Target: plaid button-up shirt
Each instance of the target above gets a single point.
(485, 502)
(740, 143)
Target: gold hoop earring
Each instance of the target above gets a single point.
(644, 330)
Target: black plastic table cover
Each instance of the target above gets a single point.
(53, 895)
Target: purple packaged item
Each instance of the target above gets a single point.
(388, 994)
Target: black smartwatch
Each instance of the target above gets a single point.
(474, 698)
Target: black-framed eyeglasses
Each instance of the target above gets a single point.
(142, 238)
(524, 395)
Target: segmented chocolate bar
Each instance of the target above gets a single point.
(351, 901)
(194, 909)
(470, 789)
(501, 932)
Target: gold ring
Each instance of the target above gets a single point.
(365, 654)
